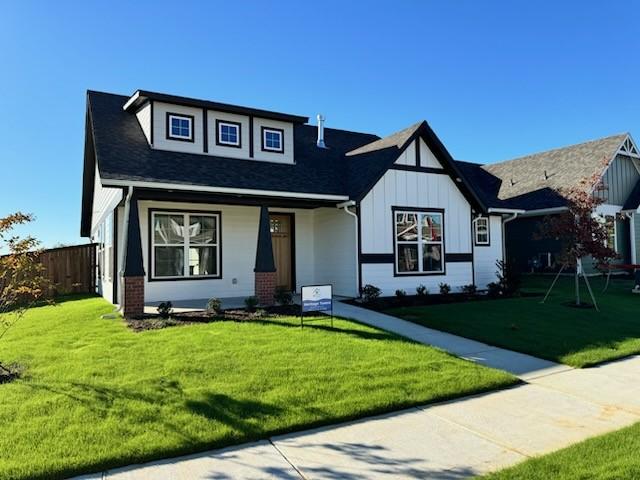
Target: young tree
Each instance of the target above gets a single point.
(22, 280)
(580, 231)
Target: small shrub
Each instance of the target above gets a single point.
(251, 304)
(214, 306)
(509, 277)
(370, 293)
(494, 290)
(445, 289)
(422, 291)
(401, 293)
(283, 296)
(470, 289)
(165, 309)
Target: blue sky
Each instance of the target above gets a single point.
(494, 79)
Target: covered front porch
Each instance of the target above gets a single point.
(187, 251)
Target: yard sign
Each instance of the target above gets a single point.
(317, 298)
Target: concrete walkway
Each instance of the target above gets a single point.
(524, 366)
(557, 406)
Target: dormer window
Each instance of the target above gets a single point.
(273, 140)
(228, 134)
(179, 127)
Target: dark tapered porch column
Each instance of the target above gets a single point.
(265, 269)
(133, 275)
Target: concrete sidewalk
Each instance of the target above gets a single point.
(524, 366)
(456, 439)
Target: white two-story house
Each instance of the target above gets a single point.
(193, 199)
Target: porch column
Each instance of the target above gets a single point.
(133, 275)
(265, 269)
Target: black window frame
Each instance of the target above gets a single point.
(263, 130)
(192, 121)
(219, 142)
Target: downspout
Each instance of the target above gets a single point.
(345, 206)
(632, 234)
(125, 233)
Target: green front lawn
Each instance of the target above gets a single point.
(613, 456)
(554, 331)
(96, 395)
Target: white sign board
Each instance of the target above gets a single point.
(317, 298)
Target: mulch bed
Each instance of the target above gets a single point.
(155, 322)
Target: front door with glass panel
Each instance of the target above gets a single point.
(281, 235)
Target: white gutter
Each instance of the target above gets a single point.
(345, 206)
(544, 211)
(125, 233)
(235, 191)
(506, 210)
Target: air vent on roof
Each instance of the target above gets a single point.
(320, 142)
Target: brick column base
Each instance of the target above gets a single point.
(132, 296)
(265, 287)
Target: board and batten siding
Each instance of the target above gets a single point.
(620, 179)
(486, 256)
(400, 188)
(104, 201)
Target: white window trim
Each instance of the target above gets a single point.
(170, 133)
(615, 232)
(418, 242)
(185, 245)
(476, 233)
(228, 124)
(265, 147)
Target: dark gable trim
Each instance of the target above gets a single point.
(292, 237)
(220, 121)
(417, 152)
(88, 175)
(205, 131)
(150, 244)
(411, 168)
(251, 137)
(168, 130)
(151, 134)
(445, 159)
(395, 209)
(473, 231)
(268, 150)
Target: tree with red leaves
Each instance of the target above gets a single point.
(580, 231)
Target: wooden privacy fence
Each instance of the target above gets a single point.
(71, 269)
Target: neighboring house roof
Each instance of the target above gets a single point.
(535, 181)
(633, 202)
(350, 166)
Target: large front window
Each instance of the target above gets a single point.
(185, 244)
(419, 242)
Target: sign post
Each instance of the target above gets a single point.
(316, 298)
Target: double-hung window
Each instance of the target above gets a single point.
(180, 127)
(419, 242)
(228, 134)
(481, 231)
(610, 225)
(273, 140)
(185, 245)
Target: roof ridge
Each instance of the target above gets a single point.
(384, 142)
(566, 147)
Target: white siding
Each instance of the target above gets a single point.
(485, 256)
(160, 140)
(427, 158)
(239, 239)
(335, 251)
(104, 201)
(408, 157)
(258, 154)
(144, 119)
(420, 190)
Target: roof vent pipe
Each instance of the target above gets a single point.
(320, 142)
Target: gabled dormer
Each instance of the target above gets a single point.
(203, 127)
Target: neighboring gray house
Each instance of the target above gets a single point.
(531, 184)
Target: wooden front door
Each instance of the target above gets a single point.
(282, 239)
